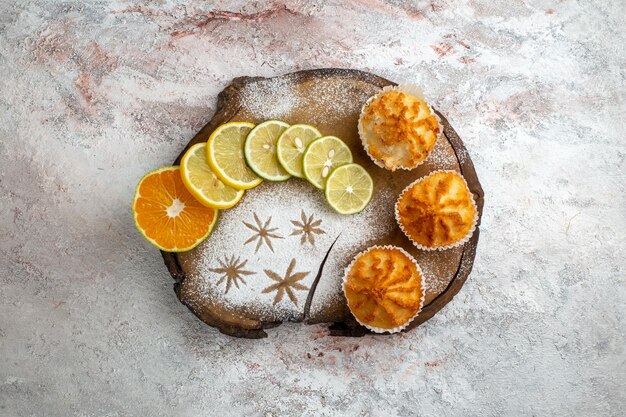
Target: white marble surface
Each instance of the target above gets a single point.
(95, 93)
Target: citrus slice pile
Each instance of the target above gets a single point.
(226, 158)
(175, 208)
(291, 146)
(322, 156)
(166, 213)
(202, 182)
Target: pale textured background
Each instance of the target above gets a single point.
(95, 93)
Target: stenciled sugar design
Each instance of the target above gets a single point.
(307, 228)
(263, 234)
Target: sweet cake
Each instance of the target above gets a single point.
(384, 288)
(437, 211)
(398, 128)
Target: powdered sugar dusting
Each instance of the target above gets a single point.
(433, 274)
(335, 103)
(441, 156)
(322, 101)
(270, 98)
(278, 207)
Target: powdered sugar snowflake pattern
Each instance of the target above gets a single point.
(307, 228)
(232, 271)
(263, 234)
(286, 284)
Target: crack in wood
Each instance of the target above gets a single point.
(309, 298)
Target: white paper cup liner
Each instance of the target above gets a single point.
(423, 283)
(467, 236)
(405, 88)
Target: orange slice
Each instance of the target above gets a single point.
(167, 215)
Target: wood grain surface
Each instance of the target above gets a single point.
(453, 266)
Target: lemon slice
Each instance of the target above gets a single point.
(321, 156)
(203, 183)
(225, 155)
(291, 146)
(260, 150)
(349, 189)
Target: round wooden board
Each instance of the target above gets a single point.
(331, 100)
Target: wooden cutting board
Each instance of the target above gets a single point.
(228, 281)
